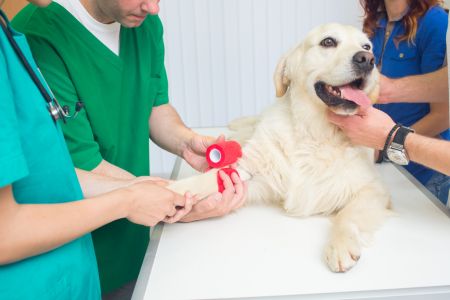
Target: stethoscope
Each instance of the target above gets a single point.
(56, 111)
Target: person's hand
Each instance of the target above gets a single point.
(182, 211)
(369, 129)
(150, 202)
(194, 152)
(217, 204)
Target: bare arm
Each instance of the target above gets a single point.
(435, 122)
(430, 152)
(107, 169)
(30, 229)
(372, 128)
(430, 87)
(169, 132)
(167, 129)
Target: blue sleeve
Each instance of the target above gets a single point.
(432, 39)
(13, 164)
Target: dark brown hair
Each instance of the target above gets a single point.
(417, 8)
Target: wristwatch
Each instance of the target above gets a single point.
(396, 151)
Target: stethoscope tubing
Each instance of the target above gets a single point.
(26, 64)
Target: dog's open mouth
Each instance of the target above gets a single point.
(344, 99)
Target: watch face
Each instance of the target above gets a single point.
(397, 156)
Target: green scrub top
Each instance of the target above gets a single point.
(35, 161)
(119, 92)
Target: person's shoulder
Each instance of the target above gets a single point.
(436, 15)
(152, 24)
(37, 20)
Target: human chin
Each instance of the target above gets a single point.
(132, 21)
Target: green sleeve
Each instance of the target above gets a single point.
(80, 140)
(162, 96)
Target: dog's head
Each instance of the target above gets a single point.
(335, 65)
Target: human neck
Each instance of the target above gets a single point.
(395, 8)
(95, 11)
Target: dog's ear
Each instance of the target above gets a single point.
(280, 79)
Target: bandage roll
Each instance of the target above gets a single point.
(223, 154)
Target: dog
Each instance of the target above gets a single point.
(293, 157)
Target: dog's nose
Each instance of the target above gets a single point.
(364, 61)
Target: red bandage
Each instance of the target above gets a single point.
(228, 171)
(223, 154)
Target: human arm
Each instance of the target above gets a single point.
(435, 122)
(169, 132)
(30, 229)
(431, 46)
(433, 153)
(431, 86)
(93, 184)
(372, 128)
(108, 169)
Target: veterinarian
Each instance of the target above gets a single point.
(110, 54)
(46, 250)
(408, 39)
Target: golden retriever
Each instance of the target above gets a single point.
(294, 158)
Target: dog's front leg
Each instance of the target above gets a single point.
(201, 185)
(353, 225)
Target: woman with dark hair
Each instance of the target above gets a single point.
(408, 38)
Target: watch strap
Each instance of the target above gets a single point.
(400, 135)
(386, 144)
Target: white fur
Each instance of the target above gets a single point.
(303, 163)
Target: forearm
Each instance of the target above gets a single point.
(30, 229)
(430, 152)
(94, 184)
(435, 122)
(430, 87)
(167, 129)
(107, 169)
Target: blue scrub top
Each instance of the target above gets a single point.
(425, 55)
(34, 159)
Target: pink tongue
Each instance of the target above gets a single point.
(355, 95)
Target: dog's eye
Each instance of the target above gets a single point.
(366, 47)
(328, 42)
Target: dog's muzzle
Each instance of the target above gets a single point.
(363, 63)
(343, 99)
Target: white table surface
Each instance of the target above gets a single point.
(259, 252)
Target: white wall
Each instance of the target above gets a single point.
(220, 54)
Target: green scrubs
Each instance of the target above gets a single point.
(119, 93)
(35, 161)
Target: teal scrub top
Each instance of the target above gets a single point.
(34, 159)
(119, 93)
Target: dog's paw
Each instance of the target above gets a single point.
(342, 254)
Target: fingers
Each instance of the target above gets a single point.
(178, 200)
(227, 183)
(180, 213)
(220, 138)
(335, 119)
(217, 204)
